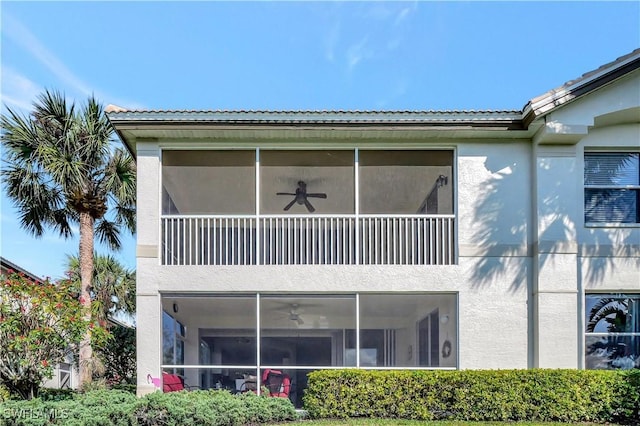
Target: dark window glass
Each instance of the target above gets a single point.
(612, 187)
(612, 337)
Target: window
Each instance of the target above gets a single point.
(64, 375)
(173, 335)
(327, 178)
(406, 182)
(612, 187)
(612, 338)
(208, 182)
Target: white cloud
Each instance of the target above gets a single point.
(378, 11)
(357, 52)
(331, 41)
(22, 36)
(404, 13)
(383, 27)
(18, 92)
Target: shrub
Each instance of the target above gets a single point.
(40, 324)
(119, 408)
(211, 408)
(4, 393)
(32, 412)
(126, 387)
(489, 395)
(628, 401)
(50, 394)
(96, 408)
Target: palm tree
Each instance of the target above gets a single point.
(612, 311)
(113, 285)
(61, 169)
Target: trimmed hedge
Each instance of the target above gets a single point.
(211, 408)
(479, 395)
(121, 408)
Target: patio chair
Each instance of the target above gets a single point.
(277, 383)
(172, 382)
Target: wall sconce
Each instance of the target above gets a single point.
(175, 307)
(442, 181)
(444, 319)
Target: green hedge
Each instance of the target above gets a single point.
(480, 395)
(121, 408)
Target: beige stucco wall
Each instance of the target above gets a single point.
(525, 256)
(492, 278)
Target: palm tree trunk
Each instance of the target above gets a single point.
(86, 275)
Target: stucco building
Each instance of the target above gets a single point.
(300, 240)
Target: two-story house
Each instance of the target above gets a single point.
(303, 240)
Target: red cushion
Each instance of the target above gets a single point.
(171, 383)
(277, 383)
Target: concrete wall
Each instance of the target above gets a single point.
(525, 255)
(148, 308)
(492, 278)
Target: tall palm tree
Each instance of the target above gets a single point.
(113, 285)
(61, 170)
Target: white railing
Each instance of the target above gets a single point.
(308, 240)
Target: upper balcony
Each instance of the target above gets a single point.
(313, 207)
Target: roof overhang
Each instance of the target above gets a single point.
(284, 126)
(574, 89)
(243, 128)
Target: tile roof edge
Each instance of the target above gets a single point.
(535, 105)
(347, 113)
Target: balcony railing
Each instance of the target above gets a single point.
(308, 240)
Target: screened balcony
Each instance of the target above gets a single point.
(307, 207)
(220, 340)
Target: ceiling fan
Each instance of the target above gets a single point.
(294, 315)
(301, 195)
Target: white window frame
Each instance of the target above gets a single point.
(613, 295)
(615, 187)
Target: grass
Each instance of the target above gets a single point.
(389, 422)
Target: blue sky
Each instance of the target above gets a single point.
(294, 55)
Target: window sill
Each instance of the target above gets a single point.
(611, 225)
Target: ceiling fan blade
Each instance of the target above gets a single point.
(288, 206)
(309, 206)
(317, 195)
(285, 193)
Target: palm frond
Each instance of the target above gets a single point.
(113, 284)
(604, 308)
(20, 136)
(40, 203)
(60, 163)
(96, 135)
(63, 218)
(51, 109)
(108, 233)
(120, 177)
